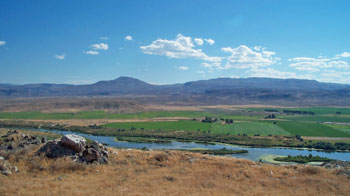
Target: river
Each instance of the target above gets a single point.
(253, 154)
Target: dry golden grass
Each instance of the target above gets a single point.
(135, 172)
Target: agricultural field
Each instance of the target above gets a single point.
(163, 125)
(249, 121)
(250, 128)
(311, 129)
(100, 115)
(104, 115)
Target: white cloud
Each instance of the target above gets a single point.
(2, 43)
(335, 76)
(104, 38)
(343, 55)
(244, 57)
(209, 41)
(91, 52)
(128, 37)
(273, 73)
(317, 64)
(181, 47)
(60, 57)
(100, 46)
(183, 68)
(199, 41)
(212, 65)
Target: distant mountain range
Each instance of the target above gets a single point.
(221, 90)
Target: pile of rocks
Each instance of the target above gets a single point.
(14, 140)
(76, 147)
(6, 168)
(342, 166)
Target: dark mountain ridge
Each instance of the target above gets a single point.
(218, 90)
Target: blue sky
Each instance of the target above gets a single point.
(172, 41)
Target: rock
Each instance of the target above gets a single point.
(74, 142)
(90, 155)
(6, 168)
(95, 152)
(75, 147)
(15, 169)
(13, 140)
(55, 149)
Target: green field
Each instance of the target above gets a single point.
(343, 128)
(249, 128)
(184, 125)
(101, 115)
(311, 129)
(104, 115)
(318, 118)
(245, 122)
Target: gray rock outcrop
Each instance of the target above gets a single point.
(13, 140)
(74, 142)
(76, 147)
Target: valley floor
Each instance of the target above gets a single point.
(136, 172)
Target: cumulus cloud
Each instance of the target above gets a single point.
(199, 41)
(91, 52)
(209, 41)
(181, 47)
(335, 76)
(183, 68)
(273, 73)
(128, 38)
(100, 46)
(211, 66)
(104, 38)
(343, 55)
(60, 57)
(244, 57)
(95, 48)
(316, 64)
(2, 43)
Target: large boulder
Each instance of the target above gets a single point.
(75, 146)
(74, 142)
(95, 152)
(55, 149)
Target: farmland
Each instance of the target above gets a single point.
(247, 121)
(249, 128)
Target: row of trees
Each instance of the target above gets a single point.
(298, 112)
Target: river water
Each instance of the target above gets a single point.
(253, 154)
